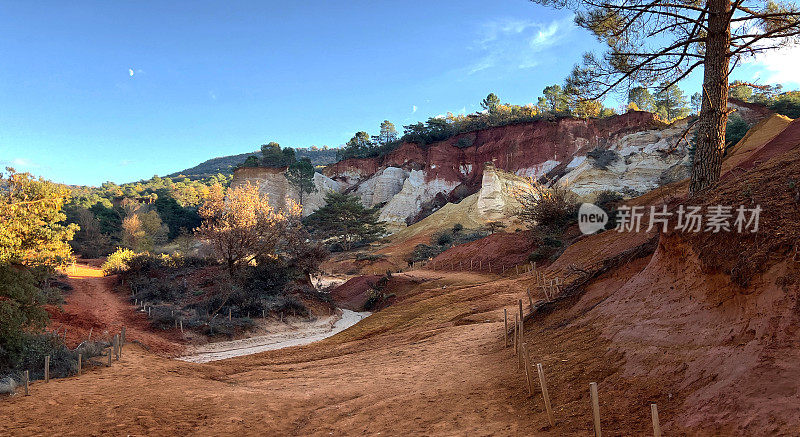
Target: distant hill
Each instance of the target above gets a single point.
(226, 164)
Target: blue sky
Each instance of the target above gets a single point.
(120, 91)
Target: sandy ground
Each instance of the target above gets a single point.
(297, 334)
(93, 307)
(433, 365)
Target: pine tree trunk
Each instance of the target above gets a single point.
(713, 112)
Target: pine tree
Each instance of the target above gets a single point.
(301, 176)
(344, 219)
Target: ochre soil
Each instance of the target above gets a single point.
(651, 318)
(92, 306)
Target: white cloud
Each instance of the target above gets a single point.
(517, 43)
(130, 72)
(413, 109)
(213, 95)
(777, 66)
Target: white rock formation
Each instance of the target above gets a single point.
(644, 161)
(496, 197)
(408, 201)
(316, 200)
(381, 186)
(273, 183)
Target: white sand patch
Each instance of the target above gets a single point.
(304, 333)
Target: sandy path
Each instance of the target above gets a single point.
(93, 306)
(432, 365)
(305, 334)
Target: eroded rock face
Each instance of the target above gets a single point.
(408, 201)
(641, 162)
(273, 183)
(382, 186)
(496, 196)
(639, 154)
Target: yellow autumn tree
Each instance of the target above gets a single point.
(242, 227)
(31, 221)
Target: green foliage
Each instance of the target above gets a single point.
(362, 146)
(641, 97)
(787, 104)
(301, 176)
(32, 231)
(602, 158)
(740, 91)
(174, 201)
(465, 141)
(223, 166)
(251, 161)
(491, 102)
(445, 240)
(735, 130)
(21, 311)
(388, 133)
(696, 103)
(118, 261)
(89, 240)
(176, 217)
(345, 220)
(554, 100)
(671, 103)
(369, 257)
(273, 156)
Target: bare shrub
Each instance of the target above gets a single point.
(550, 208)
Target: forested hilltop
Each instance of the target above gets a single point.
(319, 156)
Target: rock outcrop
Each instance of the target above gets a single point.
(630, 153)
(496, 196)
(633, 164)
(272, 182)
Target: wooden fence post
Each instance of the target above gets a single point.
(505, 332)
(27, 381)
(520, 343)
(516, 329)
(545, 395)
(230, 311)
(595, 409)
(530, 297)
(116, 346)
(528, 370)
(80, 364)
(90, 333)
(110, 351)
(656, 424)
(520, 310)
(47, 368)
(180, 323)
(122, 339)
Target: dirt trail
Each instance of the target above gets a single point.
(431, 365)
(93, 306)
